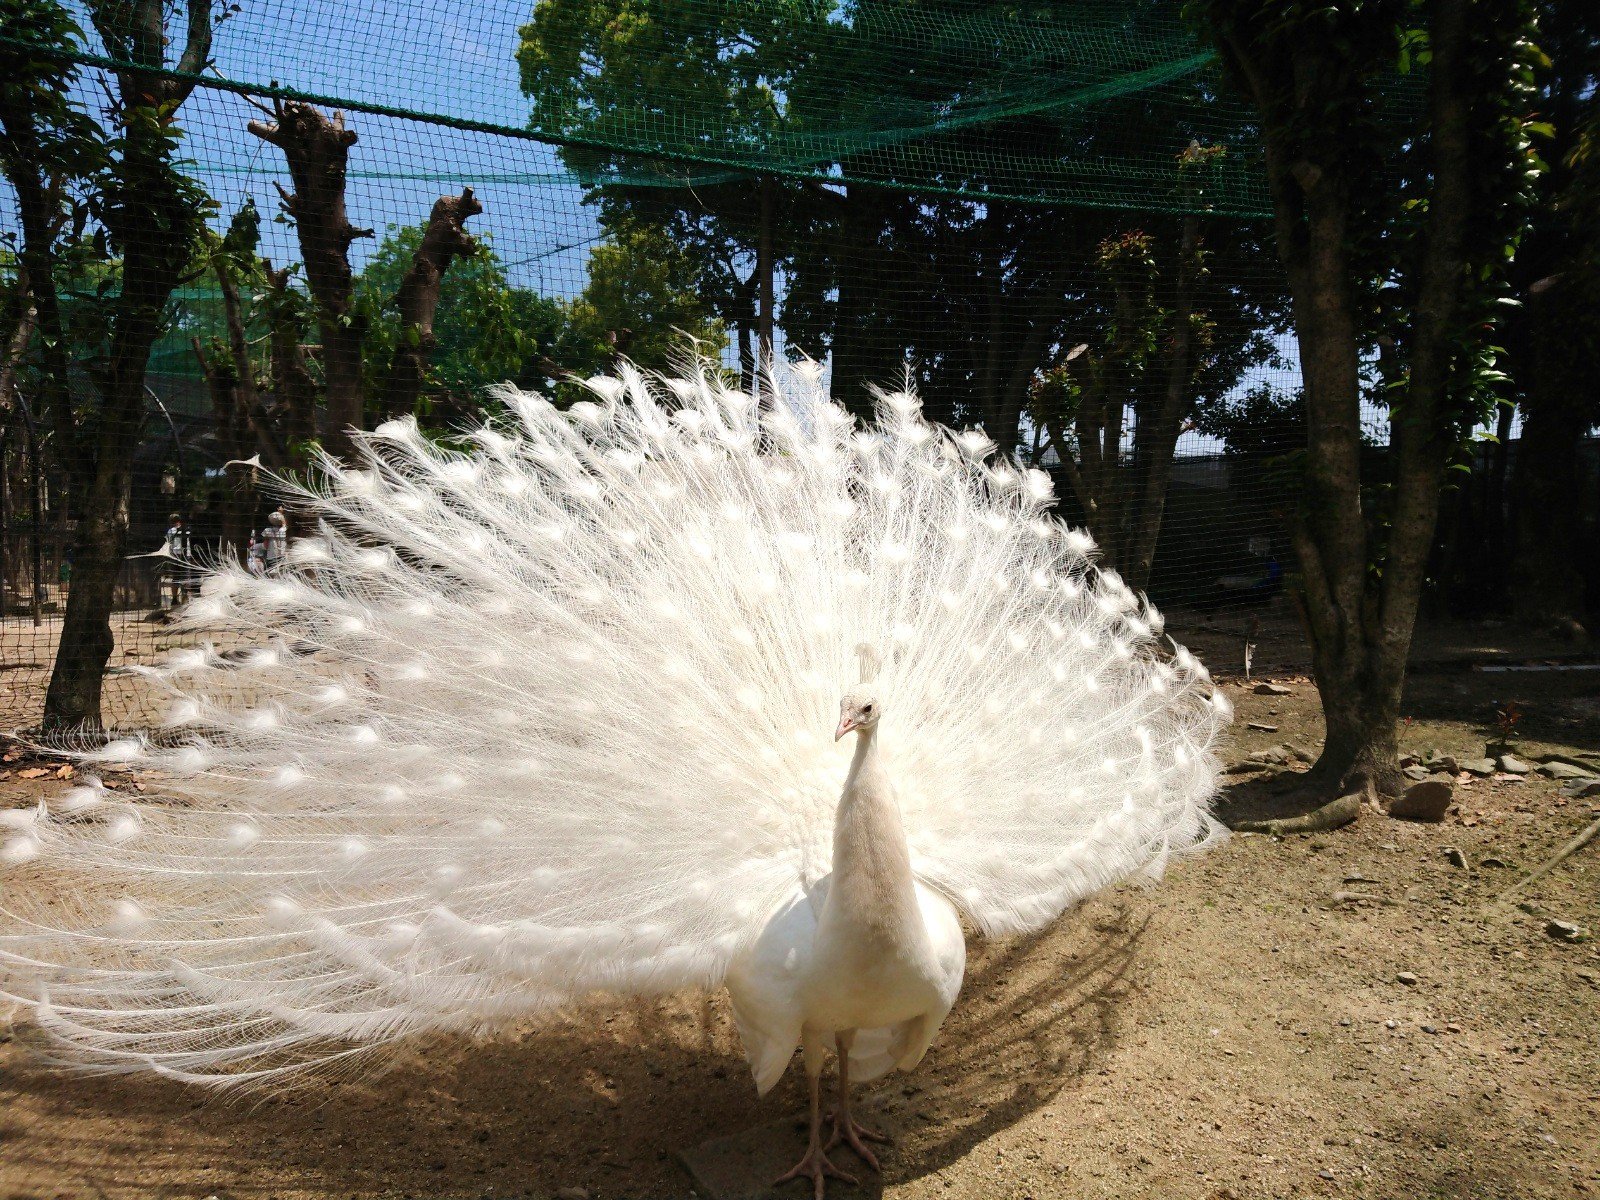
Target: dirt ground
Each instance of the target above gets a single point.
(1238, 1031)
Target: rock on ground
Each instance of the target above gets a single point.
(1427, 800)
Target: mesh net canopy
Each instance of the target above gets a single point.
(1053, 216)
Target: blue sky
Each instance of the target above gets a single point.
(452, 58)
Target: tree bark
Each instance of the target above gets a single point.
(317, 148)
(443, 241)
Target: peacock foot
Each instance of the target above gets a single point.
(816, 1167)
(848, 1130)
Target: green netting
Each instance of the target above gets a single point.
(1050, 214)
(1085, 103)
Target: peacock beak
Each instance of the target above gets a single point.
(846, 724)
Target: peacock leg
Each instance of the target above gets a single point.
(845, 1127)
(815, 1165)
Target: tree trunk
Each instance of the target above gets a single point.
(24, 322)
(853, 358)
(1547, 587)
(72, 701)
(155, 225)
(238, 439)
(443, 241)
(235, 403)
(766, 270)
(1360, 627)
(317, 148)
(39, 212)
(296, 391)
(1158, 435)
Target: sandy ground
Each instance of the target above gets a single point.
(1236, 1032)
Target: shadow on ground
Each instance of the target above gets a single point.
(599, 1101)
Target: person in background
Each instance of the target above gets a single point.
(255, 556)
(276, 538)
(178, 547)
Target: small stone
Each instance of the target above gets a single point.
(1456, 858)
(1407, 978)
(1391, 1023)
(1324, 1174)
(1273, 689)
(1580, 789)
(1452, 1028)
(1409, 760)
(1430, 1029)
(1566, 931)
(1259, 727)
(1416, 771)
(1301, 755)
(1345, 1021)
(1498, 864)
(1512, 765)
(1273, 758)
(1427, 800)
(1564, 771)
(1529, 907)
(1441, 762)
(1481, 767)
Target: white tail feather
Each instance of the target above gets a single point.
(552, 717)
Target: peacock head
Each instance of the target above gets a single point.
(859, 709)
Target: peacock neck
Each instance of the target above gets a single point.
(871, 860)
(865, 757)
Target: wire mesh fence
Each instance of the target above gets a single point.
(1052, 218)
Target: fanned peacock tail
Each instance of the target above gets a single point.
(551, 716)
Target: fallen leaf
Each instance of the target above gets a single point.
(32, 773)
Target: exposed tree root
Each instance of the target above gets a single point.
(1332, 815)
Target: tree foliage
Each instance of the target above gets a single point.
(641, 301)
